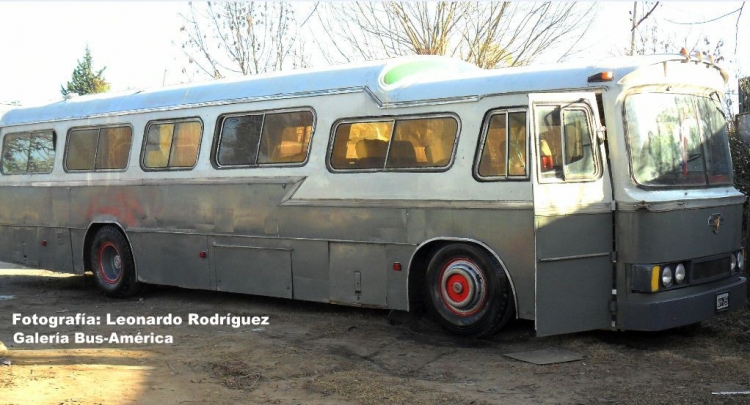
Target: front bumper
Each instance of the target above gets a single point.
(670, 309)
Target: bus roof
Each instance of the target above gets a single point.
(391, 83)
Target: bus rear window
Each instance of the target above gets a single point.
(94, 149)
(394, 144)
(265, 139)
(28, 152)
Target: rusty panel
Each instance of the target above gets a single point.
(358, 262)
(253, 270)
(171, 259)
(57, 254)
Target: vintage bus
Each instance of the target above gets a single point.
(592, 196)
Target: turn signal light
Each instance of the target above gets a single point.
(655, 278)
(602, 77)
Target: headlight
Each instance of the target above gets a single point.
(666, 276)
(733, 263)
(741, 260)
(679, 273)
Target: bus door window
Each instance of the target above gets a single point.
(566, 147)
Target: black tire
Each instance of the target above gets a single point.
(112, 263)
(468, 291)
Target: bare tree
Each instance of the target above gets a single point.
(516, 33)
(241, 38)
(491, 34)
(637, 23)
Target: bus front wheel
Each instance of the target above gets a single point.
(112, 263)
(468, 290)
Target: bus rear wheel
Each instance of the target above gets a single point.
(468, 291)
(112, 263)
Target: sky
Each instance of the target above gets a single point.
(140, 42)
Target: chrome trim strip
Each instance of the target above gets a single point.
(588, 256)
(159, 181)
(379, 203)
(598, 208)
(230, 235)
(222, 245)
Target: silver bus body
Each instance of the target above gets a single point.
(570, 247)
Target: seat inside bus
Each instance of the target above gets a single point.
(371, 153)
(402, 154)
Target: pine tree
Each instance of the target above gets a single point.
(85, 81)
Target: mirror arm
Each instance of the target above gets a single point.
(601, 134)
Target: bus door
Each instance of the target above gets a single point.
(572, 215)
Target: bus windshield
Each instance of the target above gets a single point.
(677, 140)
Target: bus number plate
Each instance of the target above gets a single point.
(722, 301)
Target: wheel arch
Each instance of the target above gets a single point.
(418, 266)
(88, 239)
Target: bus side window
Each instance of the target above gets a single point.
(361, 145)
(401, 143)
(94, 149)
(82, 144)
(285, 137)
(42, 152)
(16, 153)
(503, 147)
(240, 137)
(186, 143)
(172, 144)
(114, 148)
(158, 142)
(265, 138)
(422, 142)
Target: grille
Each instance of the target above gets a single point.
(710, 270)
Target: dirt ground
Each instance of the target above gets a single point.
(324, 354)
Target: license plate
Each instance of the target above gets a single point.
(722, 301)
